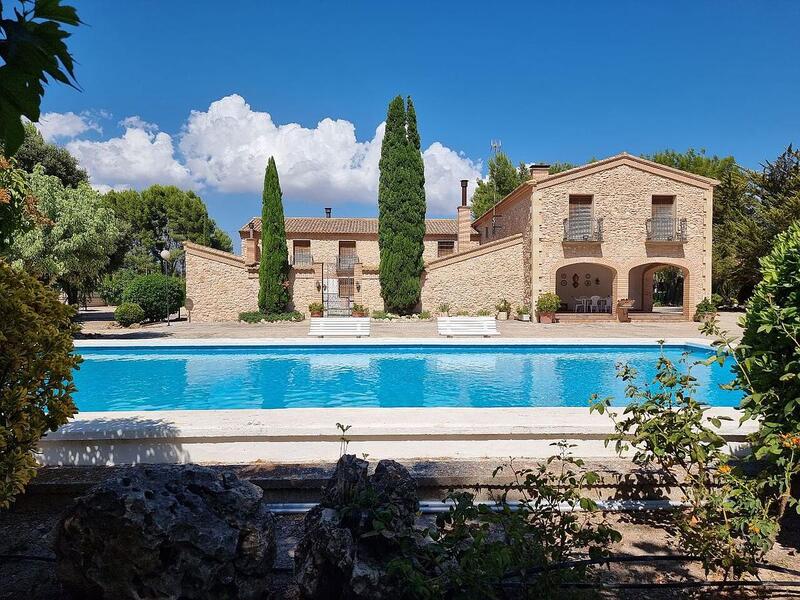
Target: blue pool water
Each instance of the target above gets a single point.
(318, 377)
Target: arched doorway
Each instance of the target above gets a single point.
(661, 288)
(586, 288)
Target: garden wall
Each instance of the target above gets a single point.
(476, 279)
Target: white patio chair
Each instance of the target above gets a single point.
(594, 304)
(580, 303)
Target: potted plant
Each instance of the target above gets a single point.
(623, 306)
(706, 311)
(523, 313)
(316, 309)
(503, 308)
(359, 311)
(546, 306)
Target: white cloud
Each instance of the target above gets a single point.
(67, 125)
(227, 146)
(136, 159)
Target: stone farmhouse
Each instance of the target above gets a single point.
(593, 235)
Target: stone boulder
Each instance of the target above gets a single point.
(168, 532)
(341, 554)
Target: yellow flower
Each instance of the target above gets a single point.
(725, 469)
(754, 528)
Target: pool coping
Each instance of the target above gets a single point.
(387, 341)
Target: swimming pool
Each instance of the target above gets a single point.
(480, 376)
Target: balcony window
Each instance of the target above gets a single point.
(663, 226)
(446, 247)
(301, 253)
(347, 258)
(581, 226)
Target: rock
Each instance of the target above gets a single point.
(340, 554)
(168, 532)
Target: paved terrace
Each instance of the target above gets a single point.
(98, 323)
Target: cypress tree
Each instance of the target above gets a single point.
(273, 269)
(401, 209)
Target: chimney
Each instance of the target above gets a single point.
(464, 221)
(327, 213)
(539, 171)
(250, 246)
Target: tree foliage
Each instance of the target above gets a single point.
(55, 160)
(36, 366)
(71, 247)
(161, 217)
(401, 209)
(17, 205)
(273, 269)
(503, 179)
(33, 48)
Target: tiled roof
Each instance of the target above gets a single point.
(349, 225)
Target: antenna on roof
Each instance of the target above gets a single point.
(495, 145)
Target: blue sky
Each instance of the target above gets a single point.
(555, 81)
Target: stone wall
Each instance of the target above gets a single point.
(477, 279)
(622, 197)
(218, 284)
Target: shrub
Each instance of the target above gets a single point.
(36, 364)
(316, 307)
(462, 313)
(728, 522)
(112, 286)
(473, 550)
(704, 309)
(444, 309)
(256, 316)
(128, 313)
(503, 306)
(380, 314)
(523, 310)
(425, 314)
(484, 312)
(717, 300)
(151, 293)
(548, 303)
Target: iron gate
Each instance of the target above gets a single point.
(337, 292)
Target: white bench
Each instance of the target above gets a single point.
(339, 326)
(472, 326)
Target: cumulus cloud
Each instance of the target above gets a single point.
(53, 125)
(226, 148)
(138, 158)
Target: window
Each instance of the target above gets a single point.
(346, 287)
(580, 208)
(301, 252)
(663, 207)
(579, 225)
(446, 247)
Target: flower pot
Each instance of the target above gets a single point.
(547, 318)
(359, 314)
(525, 318)
(316, 314)
(502, 316)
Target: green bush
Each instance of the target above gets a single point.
(705, 308)
(151, 293)
(112, 286)
(503, 306)
(36, 363)
(444, 309)
(128, 313)
(717, 300)
(462, 313)
(425, 314)
(380, 314)
(484, 312)
(548, 303)
(255, 316)
(523, 310)
(769, 355)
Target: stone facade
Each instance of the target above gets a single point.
(477, 279)
(517, 251)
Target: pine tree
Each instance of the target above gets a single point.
(401, 209)
(273, 269)
(503, 179)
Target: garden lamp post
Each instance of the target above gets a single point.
(165, 257)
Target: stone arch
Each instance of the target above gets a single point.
(603, 280)
(640, 284)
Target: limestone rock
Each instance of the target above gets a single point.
(341, 554)
(183, 532)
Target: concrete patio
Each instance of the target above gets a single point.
(98, 323)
